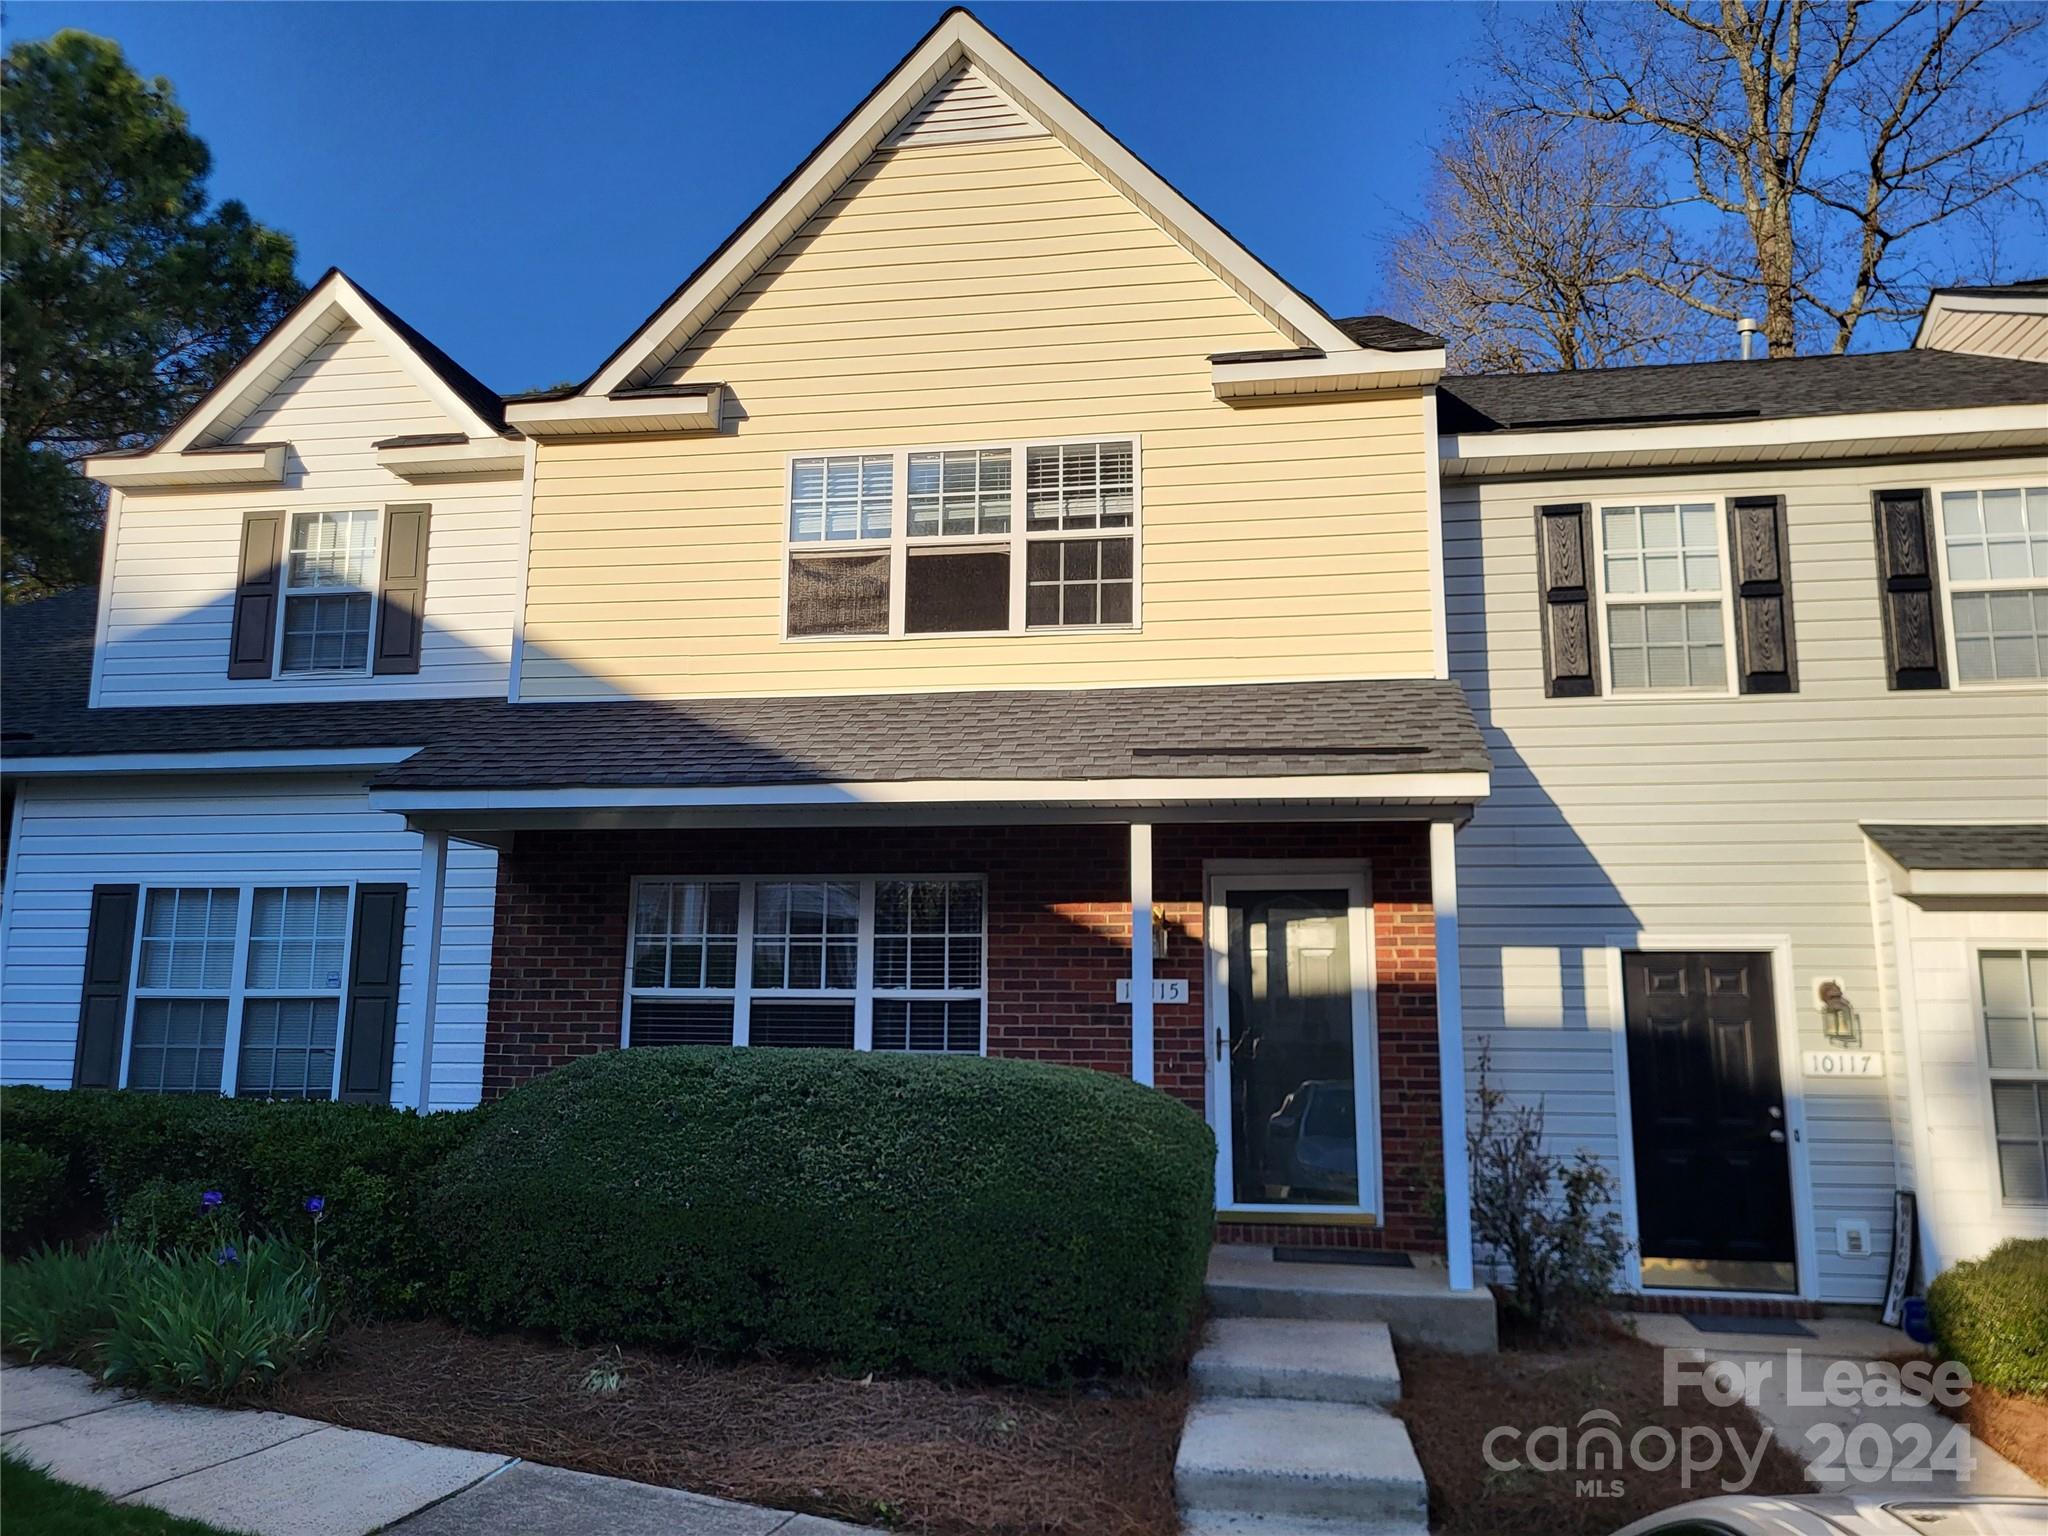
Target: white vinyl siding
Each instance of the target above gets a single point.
(1712, 814)
(173, 560)
(237, 834)
(895, 963)
(1995, 551)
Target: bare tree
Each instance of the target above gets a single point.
(1529, 250)
(1814, 147)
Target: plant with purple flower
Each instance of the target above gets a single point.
(227, 1255)
(210, 1200)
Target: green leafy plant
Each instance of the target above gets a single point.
(1550, 1221)
(1991, 1315)
(951, 1216)
(216, 1326)
(58, 1303)
(34, 1182)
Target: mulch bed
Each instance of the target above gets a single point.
(1450, 1402)
(2015, 1427)
(910, 1454)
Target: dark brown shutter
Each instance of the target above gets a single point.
(1763, 594)
(370, 1020)
(1908, 591)
(257, 592)
(1571, 646)
(103, 1002)
(402, 594)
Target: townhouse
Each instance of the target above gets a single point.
(985, 609)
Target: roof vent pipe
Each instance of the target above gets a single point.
(1746, 329)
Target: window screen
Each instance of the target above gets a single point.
(965, 589)
(839, 595)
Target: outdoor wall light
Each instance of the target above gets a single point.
(1837, 1015)
(1159, 932)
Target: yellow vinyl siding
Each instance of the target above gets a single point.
(965, 294)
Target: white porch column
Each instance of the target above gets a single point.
(1141, 952)
(429, 891)
(1450, 1053)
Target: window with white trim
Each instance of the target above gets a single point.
(2015, 993)
(933, 541)
(330, 583)
(843, 963)
(239, 997)
(1995, 547)
(1663, 599)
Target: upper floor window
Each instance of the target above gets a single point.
(1663, 597)
(931, 541)
(330, 588)
(1995, 547)
(2015, 993)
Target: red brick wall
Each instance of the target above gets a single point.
(1059, 926)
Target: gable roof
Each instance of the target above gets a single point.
(1757, 390)
(958, 40)
(333, 301)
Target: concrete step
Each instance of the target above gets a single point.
(1297, 1358)
(1236, 1523)
(1270, 1456)
(1417, 1305)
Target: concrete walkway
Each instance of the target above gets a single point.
(270, 1474)
(1821, 1434)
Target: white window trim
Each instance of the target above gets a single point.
(864, 991)
(1731, 682)
(899, 543)
(238, 992)
(1988, 1074)
(380, 511)
(1938, 532)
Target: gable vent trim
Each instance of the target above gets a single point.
(966, 107)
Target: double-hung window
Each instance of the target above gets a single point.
(1995, 548)
(1663, 597)
(329, 591)
(840, 962)
(239, 991)
(2015, 993)
(979, 539)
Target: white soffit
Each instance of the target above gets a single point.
(461, 457)
(687, 408)
(243, 464)
(959, 39)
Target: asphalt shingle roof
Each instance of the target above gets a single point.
(1236, 730)
(1983, 846)
(1734, 391)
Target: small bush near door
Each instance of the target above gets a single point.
(952, 1216)
(1991, 1315)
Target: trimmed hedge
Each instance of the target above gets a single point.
(140, 1160)
(952, 1216)
(1991, 1314)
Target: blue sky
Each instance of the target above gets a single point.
(526, 182)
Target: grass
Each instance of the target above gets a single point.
(38, 1505)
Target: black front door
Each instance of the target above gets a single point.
(1713, 1165)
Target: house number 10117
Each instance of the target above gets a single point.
(1844, 1064)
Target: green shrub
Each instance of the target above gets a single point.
(132, 1156)
(164, 1216)
(32, 1193)
(953, 1216)
(1991, 1314)
(58, 1303)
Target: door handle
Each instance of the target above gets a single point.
(1219, 1045)
(1778, 1137)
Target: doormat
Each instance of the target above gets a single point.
(1371, 1258)
(1780, 1327)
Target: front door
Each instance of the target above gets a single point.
(1712, 1160)
(1294, 1095)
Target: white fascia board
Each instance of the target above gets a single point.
(1475, 456)
(434, 461)
(1945, 304)
(1405, 788)
(266, 760)
(958, 36)
(256, 464)
(585, 416)
(1238, 382)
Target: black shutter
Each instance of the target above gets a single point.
(1571, 667)
(402, 593)
(369, 1024)
(103, 1002)
(1908, 590)
(1763, 594)
(257, 591)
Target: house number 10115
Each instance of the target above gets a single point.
(1844, 1064)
